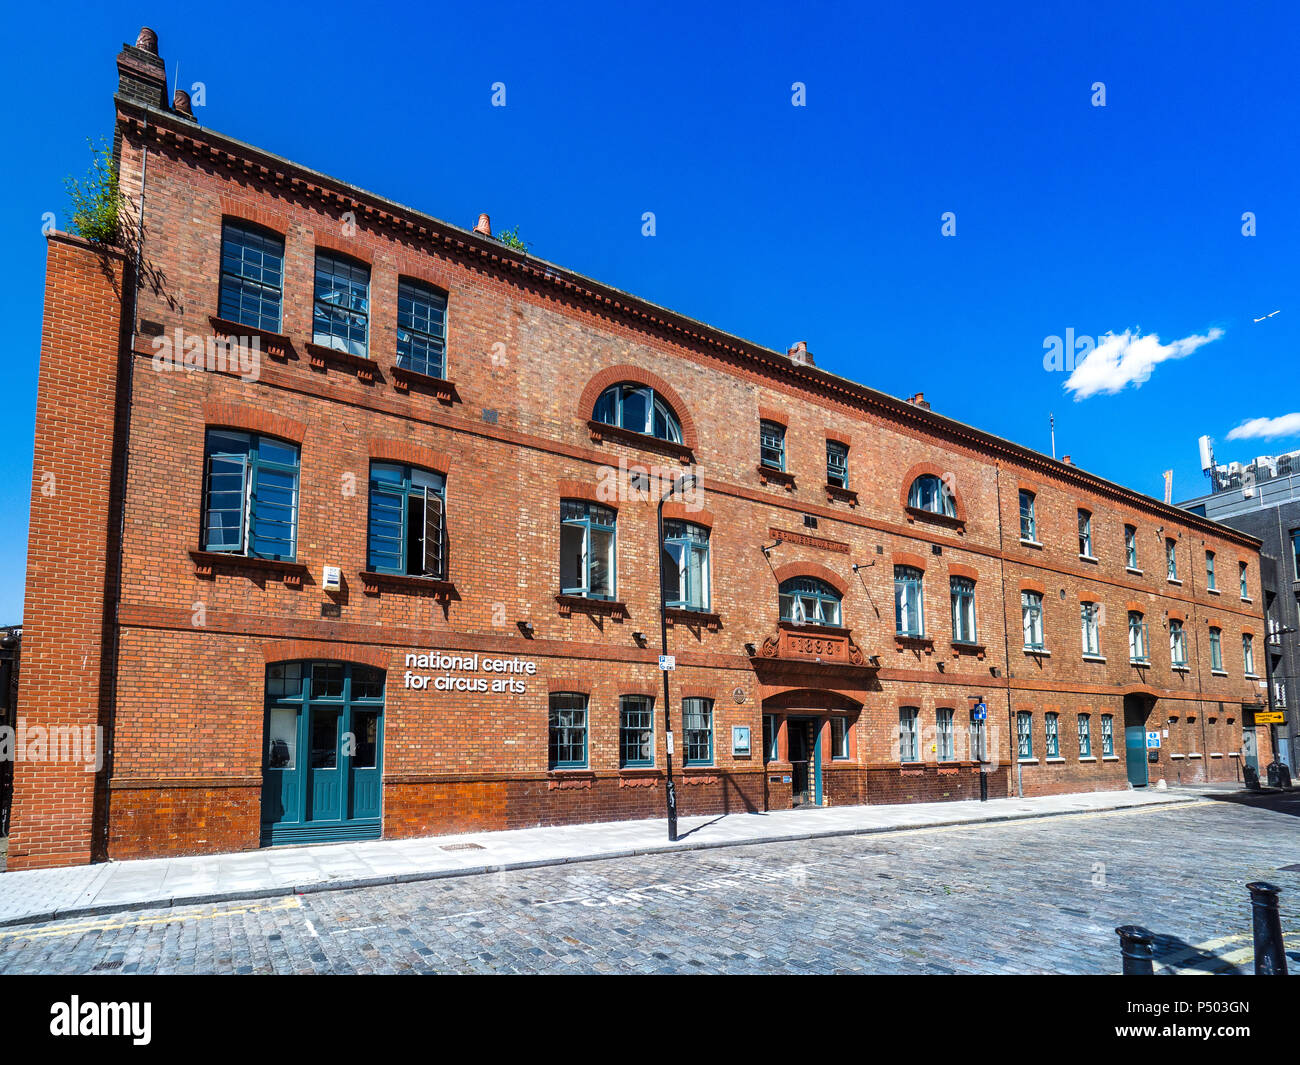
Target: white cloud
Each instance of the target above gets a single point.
(1263, 428)
(1123, 359)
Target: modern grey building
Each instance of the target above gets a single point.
(1262, 498)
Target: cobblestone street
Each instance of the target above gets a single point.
(1039, 896)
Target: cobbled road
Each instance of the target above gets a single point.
(1038, 896)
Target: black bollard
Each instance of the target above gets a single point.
(1270, 952)
(1136, 946)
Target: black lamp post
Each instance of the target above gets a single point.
(684, 483)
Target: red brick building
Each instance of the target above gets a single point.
(398, 571)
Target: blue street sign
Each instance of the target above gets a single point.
(981, 712)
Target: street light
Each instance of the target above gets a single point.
(684, 483)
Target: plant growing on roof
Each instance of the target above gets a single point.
(97, 200)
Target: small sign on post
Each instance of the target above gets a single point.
(667, 663)
(981, 711)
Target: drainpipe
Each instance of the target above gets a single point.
(1012, 739)
(128, 371)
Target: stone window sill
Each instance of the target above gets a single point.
(1216, 755)
(1174, 580)
(276, 345)
(206, 564)
(1110, 758)
(1194, 754)
(1035, 544)
(1089, 558)
(373, 582)
(1246, 599)
(1181, 669)
(319, 358)
(570, 604)
(771, 475)
(599, 431)
(1218, 673)
(1038, 652)
(1133, 570)
(1094, 658)
(845, 495)
(1252, 676)
(1086, 758)
(404, 379)
(921, 514)
(1051, 761)
(1213, 591)
(1026, 761)
(1175, 757)
(677, 615)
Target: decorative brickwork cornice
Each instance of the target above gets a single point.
(248, 163)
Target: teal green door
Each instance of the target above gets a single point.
(1135, 754)
(323, 752)
(1135, 740)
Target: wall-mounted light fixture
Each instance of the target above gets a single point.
(639, 637)
(995, 671)
(874, 661)
(751, 650)
(526, 627)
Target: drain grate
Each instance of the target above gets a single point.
(105, 965)
(464, 847)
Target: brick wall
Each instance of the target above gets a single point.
(196, 636)
(72, 550)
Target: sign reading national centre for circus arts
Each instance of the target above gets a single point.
(467, 672)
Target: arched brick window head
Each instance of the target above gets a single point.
(637, 401)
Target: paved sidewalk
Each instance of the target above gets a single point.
(46, 894)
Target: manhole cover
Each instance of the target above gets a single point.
(464, 847)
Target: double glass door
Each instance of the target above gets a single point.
(322, 756)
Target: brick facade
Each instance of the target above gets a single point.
(529, 347)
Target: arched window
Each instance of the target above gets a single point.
(928, 492)
(640, 409)
(808, 601)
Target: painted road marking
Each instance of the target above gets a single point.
(78, 928)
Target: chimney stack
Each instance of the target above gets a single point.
(801, 355)
(1066, 460)
(141, 74)
(918, 400)
(484, 225)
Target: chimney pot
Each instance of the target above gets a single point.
(147, 41)
(1066, 459)
(181, 103)
(800, 354)
(484, 225)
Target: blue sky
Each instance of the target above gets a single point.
(779, 223)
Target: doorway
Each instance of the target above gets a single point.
(803, 748)
(322, 752)
(1136, 709)
(1250, 749)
